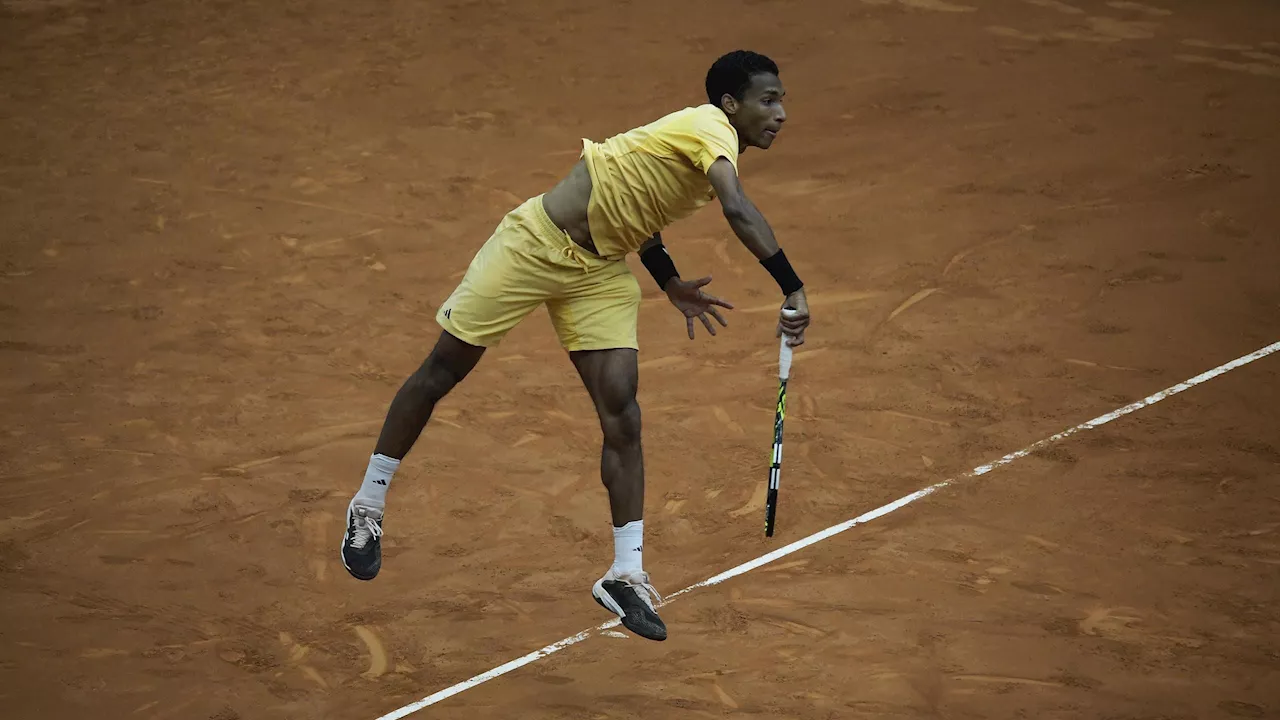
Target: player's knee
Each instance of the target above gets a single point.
(621, 424)
(433, 380)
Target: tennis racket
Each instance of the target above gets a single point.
(780, 415)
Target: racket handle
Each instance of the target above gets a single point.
(784, 359)
(771, 512)
(785, 350)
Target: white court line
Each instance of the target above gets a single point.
(837, 529)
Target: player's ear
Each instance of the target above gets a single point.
(729, 103)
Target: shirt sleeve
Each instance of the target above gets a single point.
(704, 135)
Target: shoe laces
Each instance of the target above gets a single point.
(365, 527)
(640, 583)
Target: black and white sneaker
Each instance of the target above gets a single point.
(362, 542)
(628, 597)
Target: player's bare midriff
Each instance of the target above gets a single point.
(566, 205)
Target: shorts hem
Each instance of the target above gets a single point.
(468, 338)
(585, 346)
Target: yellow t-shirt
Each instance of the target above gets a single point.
(647, 178)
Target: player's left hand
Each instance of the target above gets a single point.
(688, 297)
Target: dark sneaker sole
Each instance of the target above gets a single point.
(639, 619)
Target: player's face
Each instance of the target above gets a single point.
(759, 115)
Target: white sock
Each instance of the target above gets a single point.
(628, 546)
(377, 480)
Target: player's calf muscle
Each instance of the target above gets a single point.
(622, 461)
(407, 416)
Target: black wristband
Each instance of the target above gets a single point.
(659, 264)
(780, 269)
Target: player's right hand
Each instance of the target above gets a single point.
(793, 318)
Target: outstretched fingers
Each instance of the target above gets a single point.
(708, 298)
(713, 300)
(707, 323)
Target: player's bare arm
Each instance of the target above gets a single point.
(749, 224)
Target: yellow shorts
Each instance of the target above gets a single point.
(528, 261)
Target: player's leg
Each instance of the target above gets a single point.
(595, 317)
(447, 365)
(611, 377)
(501, 287)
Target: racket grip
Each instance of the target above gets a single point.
(785, 350)
(784, 359)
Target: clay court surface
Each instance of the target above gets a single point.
(225, 229)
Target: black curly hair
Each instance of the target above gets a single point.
(732, 73)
